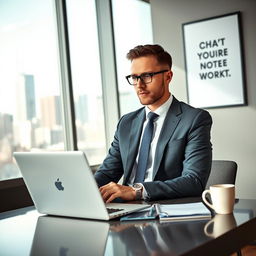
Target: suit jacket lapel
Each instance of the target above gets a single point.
(171, 121)
(134, 139)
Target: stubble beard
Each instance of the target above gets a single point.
(150, 100)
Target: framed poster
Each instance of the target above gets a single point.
(214, 62)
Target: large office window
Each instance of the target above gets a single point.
(132, 27)
(31, 116)
(86, 78)
(30, 103)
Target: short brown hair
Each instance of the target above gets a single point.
(156, 50)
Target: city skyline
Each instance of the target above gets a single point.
(31, 128)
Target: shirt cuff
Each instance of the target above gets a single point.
(144, 193)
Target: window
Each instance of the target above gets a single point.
(86, 76)
(30, 103)
(31, 57)
(132, 26)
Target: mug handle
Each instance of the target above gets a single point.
(207, 191)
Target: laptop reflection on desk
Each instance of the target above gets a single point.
(65, 236)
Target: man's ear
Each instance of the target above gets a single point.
(169, 76)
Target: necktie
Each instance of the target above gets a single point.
(145, 148)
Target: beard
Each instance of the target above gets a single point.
(149, 98)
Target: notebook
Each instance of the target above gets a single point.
(178, 212)
(66, 236)
(171, 212)
(62, 183)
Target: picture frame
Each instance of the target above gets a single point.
(214, 62)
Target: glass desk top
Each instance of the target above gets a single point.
(26, 232)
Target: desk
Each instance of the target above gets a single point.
(25, 232)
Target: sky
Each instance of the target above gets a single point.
(28, 45)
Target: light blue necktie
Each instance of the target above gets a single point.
(145, 148)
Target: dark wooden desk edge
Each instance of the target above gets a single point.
(229, 241)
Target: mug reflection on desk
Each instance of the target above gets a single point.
(219, 225)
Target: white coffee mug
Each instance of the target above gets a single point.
(222, 197)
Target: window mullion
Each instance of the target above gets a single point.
(108, 67)
(70, 137)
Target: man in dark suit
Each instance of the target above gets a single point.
(178, 160)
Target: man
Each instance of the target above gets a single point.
(178, 160)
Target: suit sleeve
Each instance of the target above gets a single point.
(196, 164)
(112, 167)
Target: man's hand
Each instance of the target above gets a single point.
(113, 190)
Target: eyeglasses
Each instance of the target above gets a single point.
(146, 78)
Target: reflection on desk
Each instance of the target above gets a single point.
(66, 236)
(220, 224)
(34, 234)
(154, 238)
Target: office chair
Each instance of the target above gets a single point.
(222, 172)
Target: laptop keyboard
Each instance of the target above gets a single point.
(111, 210)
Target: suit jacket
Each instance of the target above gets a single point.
(183, 153)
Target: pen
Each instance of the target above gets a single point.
(159, 212)
(152, 209)
(157, 209)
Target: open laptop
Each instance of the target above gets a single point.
(62, 183)
(66, 236)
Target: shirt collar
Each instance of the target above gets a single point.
(162, 110)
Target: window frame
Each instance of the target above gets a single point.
(14, 191)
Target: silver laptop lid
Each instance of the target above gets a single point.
(61, 183)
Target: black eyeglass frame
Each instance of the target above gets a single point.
(151, 74)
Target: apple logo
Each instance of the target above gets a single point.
(59, 185)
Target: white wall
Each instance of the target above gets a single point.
(234, 128)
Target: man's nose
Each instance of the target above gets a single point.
(140, 83)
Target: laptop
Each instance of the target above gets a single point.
(62, 183)
(66, 236)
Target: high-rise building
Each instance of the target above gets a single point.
(30, 96)
(82, 109)
(50, 111)
(25, 98)
(6, 125)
